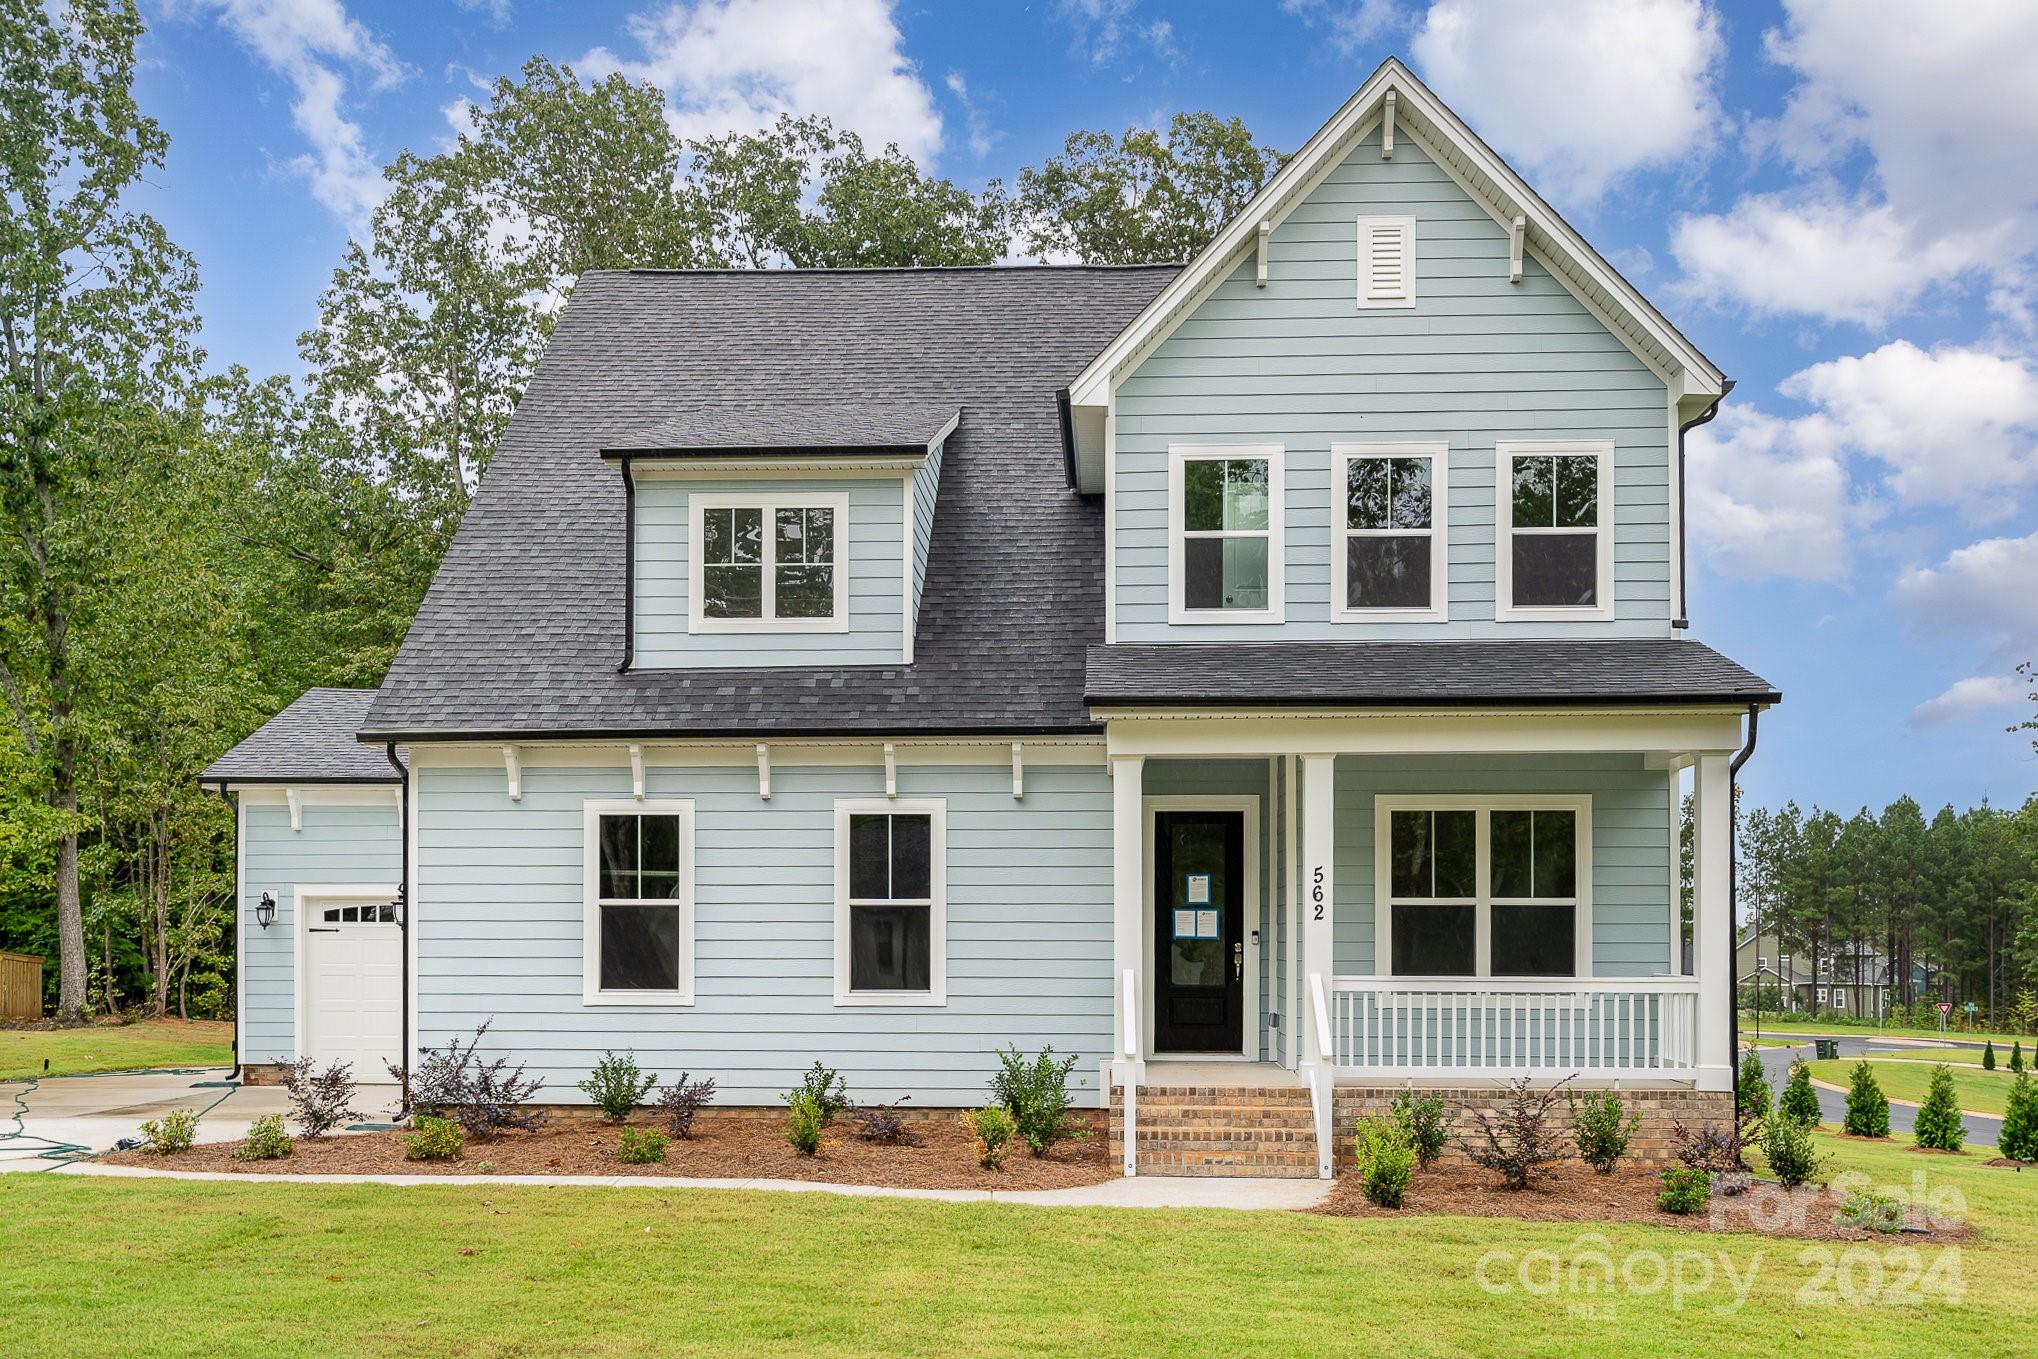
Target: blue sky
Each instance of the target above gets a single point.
(1836, 199)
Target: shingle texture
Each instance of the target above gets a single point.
(312, 740)
(851, 421)
(522, 630)
(1407, 673)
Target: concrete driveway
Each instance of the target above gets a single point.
(45, 1122)
(1981, 1132)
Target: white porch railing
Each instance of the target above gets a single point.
(1322, 1080)
(1609, 1027)
(1128, 1131)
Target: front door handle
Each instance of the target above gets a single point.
(1238, 961)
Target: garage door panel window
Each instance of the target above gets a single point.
(640, 909)
(1485, 890)
(891, 909)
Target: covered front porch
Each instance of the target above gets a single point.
(1448, 899)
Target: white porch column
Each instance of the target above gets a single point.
(1128, 899)
(1712, 962)
(1318, 864)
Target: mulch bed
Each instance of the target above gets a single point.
(1574, 1192)
(727, 1146)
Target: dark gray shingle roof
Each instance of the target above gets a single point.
(1667, 670)
(522, 629)
(789, 427)
(311, 741)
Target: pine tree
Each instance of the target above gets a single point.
(2016, 1054)
(2019, 1137)
(1867, 1106)
(1988, 1056)
(1939, 1126)
(1799, 1104)
(1755, 1096)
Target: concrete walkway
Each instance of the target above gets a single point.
(1147, 1191)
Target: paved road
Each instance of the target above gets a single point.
(1833, 1106)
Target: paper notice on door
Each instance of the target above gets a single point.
(1185, 924)
(1198, 893)
(1206, 924)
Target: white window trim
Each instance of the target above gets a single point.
(1179, 456)
(1383, 888)
(1504, 531)
(591, 992)
(936, 812)
(1342, 456)
(699, 503)
(1363, 261)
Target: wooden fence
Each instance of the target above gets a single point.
(20, 986)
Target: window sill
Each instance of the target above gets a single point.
(642, 999)
(1199, 617)
(1436, 615)
(860, 1000)
(1541, 613)
(757, 625)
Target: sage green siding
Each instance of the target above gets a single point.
(1633, 838)
(354, 844)
(875, 562)
(499, 909)
(1477, 361)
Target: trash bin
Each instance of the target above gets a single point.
(1828, 1048)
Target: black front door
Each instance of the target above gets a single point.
(1199, 931)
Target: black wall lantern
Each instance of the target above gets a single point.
(265, 910)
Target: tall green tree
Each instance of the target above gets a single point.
(1144, 197)
(96, 327)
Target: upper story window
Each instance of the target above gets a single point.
(891, 931)
(1225, 534)
(637, 927)
(778, 565)
(1555, 509)
(1393, 555)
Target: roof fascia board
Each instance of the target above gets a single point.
(764, 468)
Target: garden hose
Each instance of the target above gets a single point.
(63, 1153)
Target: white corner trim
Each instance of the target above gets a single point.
(637, 772)
(936, 811)
(1018, 772)
(295, 799)
(513, 769)
(1387, 127)
(1504, 610)
(1110, 512)
(592, 811)
(763, 772)
(909, 532)
(1179, 456)
(1439, 454)
(768, 504)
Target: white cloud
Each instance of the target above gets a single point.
(315, 45)
(1352, 24)
(1971, 697)
(736, 65)
(981, 138)
(498, 11)
(1942, 101)
(1989, 589)
(1763, 502)
(1106, 30)
(1579, 94)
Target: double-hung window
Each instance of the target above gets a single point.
(637, 930)
(891, 928)
(1493, 887)
(1392, 515)
(1225, 534)
(769, 565)
(1555, 511)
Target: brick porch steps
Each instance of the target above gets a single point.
(1260, 1131)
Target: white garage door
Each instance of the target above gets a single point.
(353, 965)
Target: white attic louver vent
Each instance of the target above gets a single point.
(1386, 261)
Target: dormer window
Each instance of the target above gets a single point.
(1555, 509)
(762, 565)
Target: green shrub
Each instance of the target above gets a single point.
(804, 1119)
(1988, 1055)
(1754, 1099)
(2016, 1054)
(1871, 1212)
(1602, 1127)
(1792, 1155)
(1939, 1125)
(993, 1128)
(172, 1133)
(826, 1090)
(1800, 1103)
(2019, 1137)
(1426, 1121)
(1867, 1106)
(267, 1140)
(616, 1086)
(640, 1146)
(1386, 1155)
(1036, 1094)
(1685, 1191)
(434, 1139)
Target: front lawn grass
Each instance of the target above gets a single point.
(141, 1267)
(1783, 1022)
(1955, 1056)
(1982, 1092)
(116, 1047)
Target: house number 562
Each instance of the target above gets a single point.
(1316, 891)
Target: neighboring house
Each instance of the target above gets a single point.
(1847, 982)
(1269, 673)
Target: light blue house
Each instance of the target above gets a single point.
(1268, 673)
